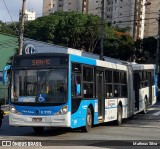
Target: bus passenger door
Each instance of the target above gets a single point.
(136, 89)
(100, 94)
(150, 87)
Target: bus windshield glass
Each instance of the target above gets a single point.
(39, 86)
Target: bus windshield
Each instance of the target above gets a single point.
(29, 85)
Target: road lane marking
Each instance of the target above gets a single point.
(157, 113)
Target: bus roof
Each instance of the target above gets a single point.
(42, 47)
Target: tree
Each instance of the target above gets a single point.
(139, 52)
(7, 28)
(71, 29)
(118, 44)
(145, 50)
(80, 31)
(150, 45)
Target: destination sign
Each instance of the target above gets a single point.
(38, 62)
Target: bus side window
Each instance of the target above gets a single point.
(116, 90)
(76, 80)
(76, 86)
(88, 82)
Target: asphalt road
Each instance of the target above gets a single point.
(141, 127)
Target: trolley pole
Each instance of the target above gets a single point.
(21, 30)
(102, 31)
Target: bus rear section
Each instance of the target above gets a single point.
(144, 86)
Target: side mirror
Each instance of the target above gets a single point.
(5, 74)
(78, 89)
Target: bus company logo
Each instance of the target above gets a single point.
(29, 49)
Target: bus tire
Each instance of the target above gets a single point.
(89, 121)
(145, 107)
(0, 123)
(38, 130)
(119, 115)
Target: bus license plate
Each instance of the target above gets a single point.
(37, 120)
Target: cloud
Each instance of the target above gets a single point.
(15, 5)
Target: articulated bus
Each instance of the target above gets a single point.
(77, 90)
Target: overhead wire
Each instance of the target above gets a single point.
(11, 17)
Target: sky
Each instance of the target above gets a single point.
(15, 5)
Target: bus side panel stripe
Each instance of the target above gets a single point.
(83, 60)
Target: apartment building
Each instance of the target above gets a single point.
(50, 6)
(29, 15)
(84, 6)
(127, 13)
(152, 13)
(121, 13)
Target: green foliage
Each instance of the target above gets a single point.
(7, 28)
(150, 45)
(69, 29)
(80, 31)
(118, 44)
(139, 54)
(145, 50)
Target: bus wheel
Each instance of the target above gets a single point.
(38, 130)
(88, 125)
(0, 123)
(145, 107)
(119, 115)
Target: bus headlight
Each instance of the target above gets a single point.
(63, 110)
(12, 109)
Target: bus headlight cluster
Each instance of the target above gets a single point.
(12, 109)
(63, 110)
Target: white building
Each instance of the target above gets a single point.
(84, 6)
(119, 13)
(29, 15)
(125, 13)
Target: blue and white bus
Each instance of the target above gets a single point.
(75, 89)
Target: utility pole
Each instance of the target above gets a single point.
(102, 31)
(139, 19)
(135, 18)
(158, 52)
(21, 32)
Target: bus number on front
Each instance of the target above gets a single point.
(40, 62)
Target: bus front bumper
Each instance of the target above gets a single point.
(43, 121)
